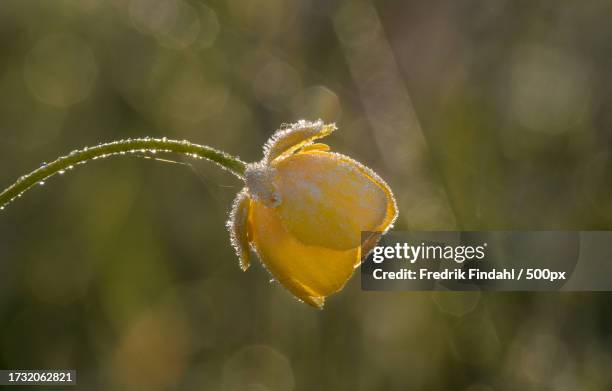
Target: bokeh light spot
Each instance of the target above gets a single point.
(153, 351)
(456, 303)
(60, 70)
(276, 83)
(317, 102)
(258, 367)
(190, 96)
(549, 90)
(175, 24)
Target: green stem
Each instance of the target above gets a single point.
(122, 147)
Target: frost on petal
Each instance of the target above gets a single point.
(259, 181)
(289, 139)
(311, 273)
(238, 228)
(328, 199)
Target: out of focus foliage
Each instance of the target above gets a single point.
(485, 114)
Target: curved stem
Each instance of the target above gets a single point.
(121, 147)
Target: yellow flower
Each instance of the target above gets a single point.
(303, 210)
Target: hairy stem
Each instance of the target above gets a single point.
(121, 147)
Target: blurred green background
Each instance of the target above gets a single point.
(481, 114)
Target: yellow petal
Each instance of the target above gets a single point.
(370, 240)
(238, 228)
(288, 140)
(328, 199)
(315, 147)
(309, 272)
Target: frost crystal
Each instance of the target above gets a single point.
(294, 136)
(237, 226)
(259, 181)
